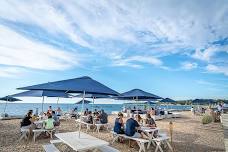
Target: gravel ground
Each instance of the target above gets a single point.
(189, 135)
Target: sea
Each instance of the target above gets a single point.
(21, 109)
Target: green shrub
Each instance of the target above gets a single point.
(207, 119)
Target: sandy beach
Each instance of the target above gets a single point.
(189, 136)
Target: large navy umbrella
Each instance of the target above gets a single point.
(85, 85)
(9, 99)
(42, 93)
(137, 94)
(85, 102)
(76, 85)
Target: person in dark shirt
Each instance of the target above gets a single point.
(89, 118)
(27, 120)
(86, 112)
(103, 117)
(119, 124)
(133, 128)
(150, 121)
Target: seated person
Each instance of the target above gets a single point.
(152, 111)
(86, 112)
(49, 123)
(74, 112)
(58, 111)
(119, 124)
(27, 120)
(103, 117)
(95, 113)
(97, 118)
(49, 110)
(89, 118)
(56, 119)
(150, 121)
(138, 118)
(133, 128)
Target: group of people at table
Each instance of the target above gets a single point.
(133, 125)
(131, 128)
(48, 120)
(97, 117)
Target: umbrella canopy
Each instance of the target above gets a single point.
(76, 85)
(137, 94)
(41, 93)
(167, 100)
(95, 96)
(9, 98)
(85, 102)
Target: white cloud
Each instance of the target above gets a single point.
(42, 14)
(188, 65)
(217, 69)
(11, 72)
(16, 50)
(207, 54)
(203, 82)
(156, 27)
(136, 61)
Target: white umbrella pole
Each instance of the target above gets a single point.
(58, 101)
(137, 106)
(83, 100)
(93, 104)
(43, 105)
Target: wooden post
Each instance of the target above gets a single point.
(171, 133)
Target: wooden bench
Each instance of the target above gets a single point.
(108, 149)
(140, 141)
(162, 139)
(50, 148)
(37, 132)
(56, 141)
(88, 125)
(24, 134)
(98, 126)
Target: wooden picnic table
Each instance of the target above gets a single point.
(150, 133)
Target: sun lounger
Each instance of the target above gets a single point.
(50, 148)
(108, 149)
(162, 138)
(140, 141)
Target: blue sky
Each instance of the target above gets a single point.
(176, 49)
